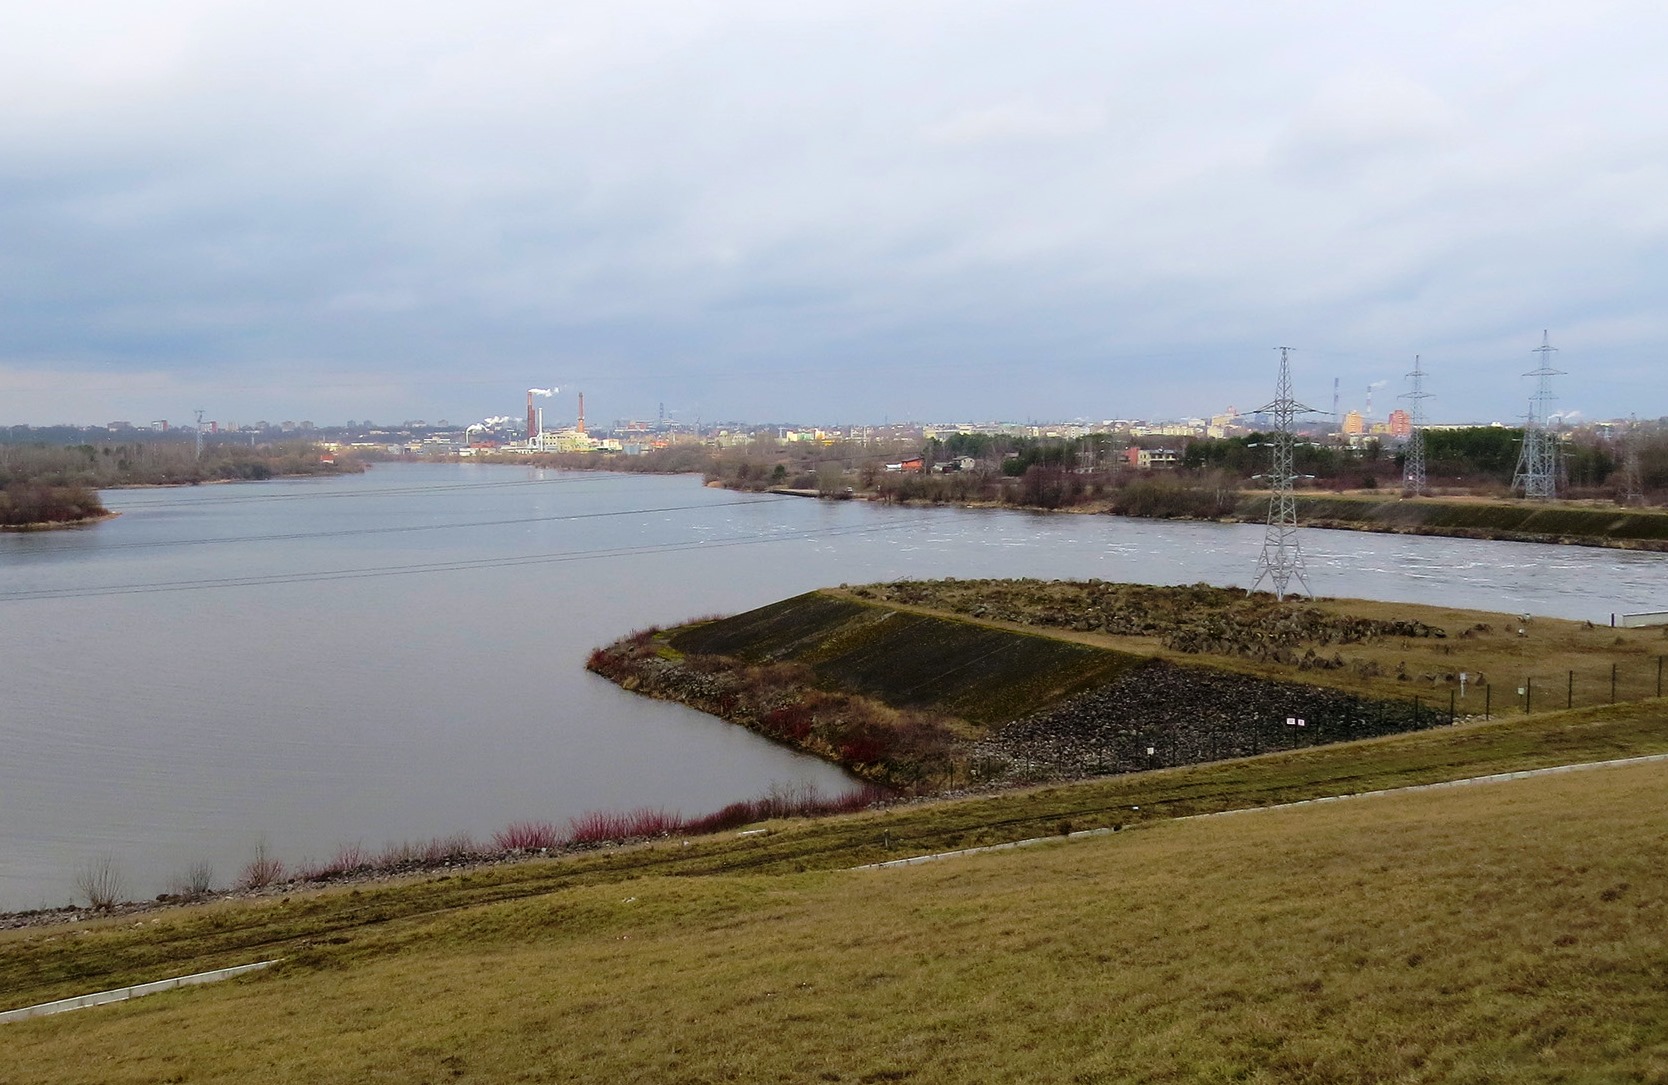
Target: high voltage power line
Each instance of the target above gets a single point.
(348, 532)
(395, 491)
(1282, 557)
(724, 542)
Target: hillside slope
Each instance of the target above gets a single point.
(910, 660)
(1510, 932)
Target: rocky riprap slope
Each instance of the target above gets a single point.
(1186, 715)
(900, 748)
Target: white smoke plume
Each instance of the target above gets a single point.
(541, 391)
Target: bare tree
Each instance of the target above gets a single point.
(100, 880)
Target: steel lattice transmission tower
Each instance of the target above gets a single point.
(1537, 464)
(1633, 477)
(1282, 559)
(1413, 461)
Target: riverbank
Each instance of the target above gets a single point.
(1561, 523)
(1569, 523)
(931, 685)
(1178, 494)
(774, 962)
(60, 525)
(44, 487)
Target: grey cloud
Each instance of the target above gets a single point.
(659, 196)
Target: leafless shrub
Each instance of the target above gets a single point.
(100, 880)
(452, 848)
(263, 869)
(528, 836)
(197, 881)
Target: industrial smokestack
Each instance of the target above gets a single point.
(581, 426)
(534, 427)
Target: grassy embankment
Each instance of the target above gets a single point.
(1525, 521)
(1258, 636)
(926, 685)
(891, 695)
(1511, 932)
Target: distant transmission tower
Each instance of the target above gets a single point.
(199, 434)
(1633, 478)
(1281, 558)
(1413, 460)
(1537, 465)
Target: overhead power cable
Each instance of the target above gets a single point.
(723, 542)
(400, 529)
(219, 498)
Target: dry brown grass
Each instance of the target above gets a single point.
(1514, 932)
(1548, 652)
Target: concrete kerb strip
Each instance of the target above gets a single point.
(1496, 778)
(122, 994)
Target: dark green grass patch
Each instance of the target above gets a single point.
(907, 660)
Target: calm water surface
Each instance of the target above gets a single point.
(400, 654)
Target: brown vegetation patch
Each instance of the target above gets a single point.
(1192, 619)
(901, 748)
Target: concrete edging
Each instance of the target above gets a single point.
(122, 994)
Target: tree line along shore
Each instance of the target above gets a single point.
(46, 486)
(1358, 488)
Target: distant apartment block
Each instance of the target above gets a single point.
(1148, 459)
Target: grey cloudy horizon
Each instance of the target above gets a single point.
(826, 212)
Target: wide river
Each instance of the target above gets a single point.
(400, 654)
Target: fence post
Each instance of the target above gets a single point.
(1612, 683)
(1415, 726)
(1488, 701)
(1450, 708)
(1528, 693)
(1659, 676)
(1569, 697)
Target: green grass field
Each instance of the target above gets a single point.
(1506, 932)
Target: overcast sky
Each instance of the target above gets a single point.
(826, 211)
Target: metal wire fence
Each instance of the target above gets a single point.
(1547, 691)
